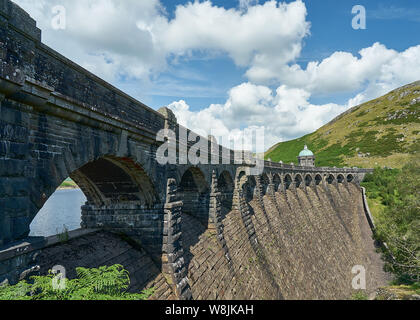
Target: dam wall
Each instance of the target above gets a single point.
(292, 244)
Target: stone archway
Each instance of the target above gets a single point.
(308, 180)
(276, 182)
(298, 180)
(194, 191)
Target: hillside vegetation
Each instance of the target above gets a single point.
(397, 218)
(381, 132)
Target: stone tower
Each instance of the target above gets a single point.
(306, 158)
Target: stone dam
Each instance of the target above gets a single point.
(190, 231)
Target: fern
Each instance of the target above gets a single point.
(103, 283)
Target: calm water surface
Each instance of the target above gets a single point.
(62, 208)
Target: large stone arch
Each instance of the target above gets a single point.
(350, 178)
(111, 180)
(95, 161)
(340, 178)
(194, 191)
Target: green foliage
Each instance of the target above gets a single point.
(63, 236)
(69, 183)
(104, 283)
(399, 223)
(359, 295)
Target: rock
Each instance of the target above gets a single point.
(414, 101)
(4, 283)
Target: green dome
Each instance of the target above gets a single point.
(306, 152)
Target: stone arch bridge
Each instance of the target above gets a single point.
(57, 120)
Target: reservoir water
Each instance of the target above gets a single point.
(61, 209)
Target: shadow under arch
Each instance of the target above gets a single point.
(110, 180)
(194, 191)
(226, 187)
(330, 179)
(249, 188)
(265, 181)
(350, 178)
(287, 181)
(298, 180)
(318, 179)
(276, 182)
(340, 178)
(308, 180)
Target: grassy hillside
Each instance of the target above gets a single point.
(381, 132)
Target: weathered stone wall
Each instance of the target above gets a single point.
(298, 244)
(293, 244)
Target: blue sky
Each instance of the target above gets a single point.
(224, 66)
(390, 22)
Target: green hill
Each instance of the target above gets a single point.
(381, 132)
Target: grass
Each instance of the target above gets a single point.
(69, 184)
(381, 132)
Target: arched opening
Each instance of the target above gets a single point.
(298, 180)
(249, 188)
(308, 180)
(105, 182)
(287, 181)
(265, 181)
(194, 192)
(276, 182)
(318, 179)
(226, 186)
(119, 196)
(350, 178)
(61, 212)
(330, 179)
(340, 178)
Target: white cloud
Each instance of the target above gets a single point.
(135, 38)
(284, 114)
(375, 72)
(268, 31)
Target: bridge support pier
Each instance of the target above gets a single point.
(173, 263)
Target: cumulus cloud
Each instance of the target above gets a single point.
(376, 71)
(136, 38)
(284, 114)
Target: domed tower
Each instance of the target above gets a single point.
(306, 158)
